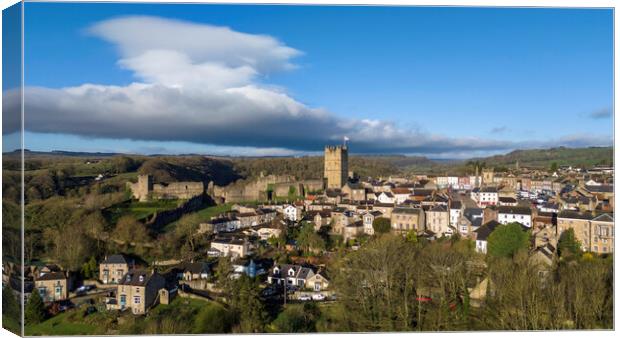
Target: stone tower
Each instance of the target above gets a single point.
(487, 176)
(336, 166)
(144, 187)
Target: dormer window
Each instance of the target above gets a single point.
(291, 272)
(141, 278)
(128, 278)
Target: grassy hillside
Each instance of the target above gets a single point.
(585, 157)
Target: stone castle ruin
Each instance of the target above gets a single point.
(263, 188)
(145, 189)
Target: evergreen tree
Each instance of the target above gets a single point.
(35, 309)
(568, 245)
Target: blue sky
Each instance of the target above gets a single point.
(441, 82)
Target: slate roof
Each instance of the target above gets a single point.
(514, 210)
(604, 188)
(116, 259)
(574, 215)
(410, 211)
(485, 230)
(133, 277)
(301, 272)
(456, 205)
(55, 275)
(603, 218)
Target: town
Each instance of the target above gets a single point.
(279, 243)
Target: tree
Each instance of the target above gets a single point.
(553, 167)
(34, 312)
(10, 310)
(129, 230)
(297, 318)
(89, 269)
(309, 240)
(247, 306)
(506, 240)
(377, 285)
(568, 245)
(381, 225)
(212, 319)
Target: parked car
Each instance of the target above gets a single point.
(319, 296)
(305, 298)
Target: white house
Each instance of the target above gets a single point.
(485, 196)
(368, 219)
(456, 211)
(292, 213)
(509, 214)
(386, 197)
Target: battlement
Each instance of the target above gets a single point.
(335, 148)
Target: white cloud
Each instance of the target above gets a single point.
(200, 83)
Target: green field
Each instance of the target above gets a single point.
(68, 323)
(139, 209)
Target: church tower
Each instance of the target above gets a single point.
(336, 166)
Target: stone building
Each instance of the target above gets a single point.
(145, 189)
(138, 290)
(113, 268)
(336, 166)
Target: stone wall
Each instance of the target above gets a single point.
(257, 189)
(145, 189)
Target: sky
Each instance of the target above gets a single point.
(287, 80)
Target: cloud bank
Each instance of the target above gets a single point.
(203, 84)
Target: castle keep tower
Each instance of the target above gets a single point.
(336, 166)
(143, 187)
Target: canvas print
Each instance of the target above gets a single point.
(222, 168)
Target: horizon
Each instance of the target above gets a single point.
(316, 154)
(439, 82)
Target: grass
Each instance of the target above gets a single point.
(11, 324)
(139, 209)
(64, 324)
(206, 213)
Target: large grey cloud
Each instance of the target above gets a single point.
(202, 84)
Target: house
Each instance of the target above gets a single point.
(456, 211)
(296, 275)
(229, 246)
(543, 256)
(482, 234)
(267, 232)
(486, 196)
(471, 220)
(385, 209)
(138, 290)
(321, 218)
(368, 219)
(438, 220)
(507, 214)
(401, 194)
(113, 268)
(317, 282)
(406, 219)
(508, 201)
(292, 213)
(353, 230)
(354, 191)
(228, 223)
(251, 267)
(602, 230)
(385, 197)
(195, 270)
(579, 222)
(52, 285)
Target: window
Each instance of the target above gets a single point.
(136, 299)
(58, 290)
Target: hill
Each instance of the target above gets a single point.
(584, 157)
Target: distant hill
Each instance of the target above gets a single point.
(586, 157)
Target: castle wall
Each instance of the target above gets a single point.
(145, 189)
